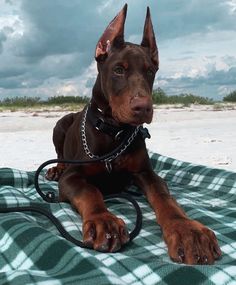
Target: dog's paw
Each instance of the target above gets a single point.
(54, 173)
(191, 242)
(105, 232)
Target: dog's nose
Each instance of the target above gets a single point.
(141, 107)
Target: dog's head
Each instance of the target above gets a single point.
(127, 71)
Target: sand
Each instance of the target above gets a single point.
(198, 134)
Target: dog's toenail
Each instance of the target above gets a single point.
(103, 248)
(92, 233)
(205, 259)
(181, 254)
(108, 236)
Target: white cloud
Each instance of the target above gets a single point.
(12, 25)
(106, 5)
(87, 80)
(69, 89)
(76, 86)
(232, 6)
(224, 90)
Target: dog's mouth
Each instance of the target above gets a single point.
(134, 118)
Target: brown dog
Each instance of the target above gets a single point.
(121, 102)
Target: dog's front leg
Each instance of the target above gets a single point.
(102, 230)
(188, 241)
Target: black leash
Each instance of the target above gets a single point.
(40, 210)
(50, 196)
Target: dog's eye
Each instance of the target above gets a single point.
(150, 73)
(120, 70)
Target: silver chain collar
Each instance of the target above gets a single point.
(108, 160)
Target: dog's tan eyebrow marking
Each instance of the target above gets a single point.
(122, 63)
(125, 64)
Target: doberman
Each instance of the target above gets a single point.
(121, 102)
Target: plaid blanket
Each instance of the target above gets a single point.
(33, 252)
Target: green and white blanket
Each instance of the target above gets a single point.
(33, 252)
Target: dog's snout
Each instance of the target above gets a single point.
(141, 108)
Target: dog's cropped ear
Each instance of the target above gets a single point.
(113, 35)
(149, 40)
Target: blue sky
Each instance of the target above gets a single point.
(47, 46)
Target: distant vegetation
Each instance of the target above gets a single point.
(34, 102)
(231, 97)
(20, 102)
(73, 102)
(60, 100)
(160, 97)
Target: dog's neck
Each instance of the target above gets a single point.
(99, 100)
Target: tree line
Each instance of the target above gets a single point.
(159, 97)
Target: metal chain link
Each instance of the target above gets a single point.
(84, 138)
(108, 160)
(125, 146)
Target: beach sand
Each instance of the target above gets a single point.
(198, 134)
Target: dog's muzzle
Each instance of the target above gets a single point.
(142, 110)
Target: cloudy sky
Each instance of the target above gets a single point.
(47, 46)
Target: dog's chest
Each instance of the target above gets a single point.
(121, 162)
(113, 182)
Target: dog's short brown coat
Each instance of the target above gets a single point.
(122, 96)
